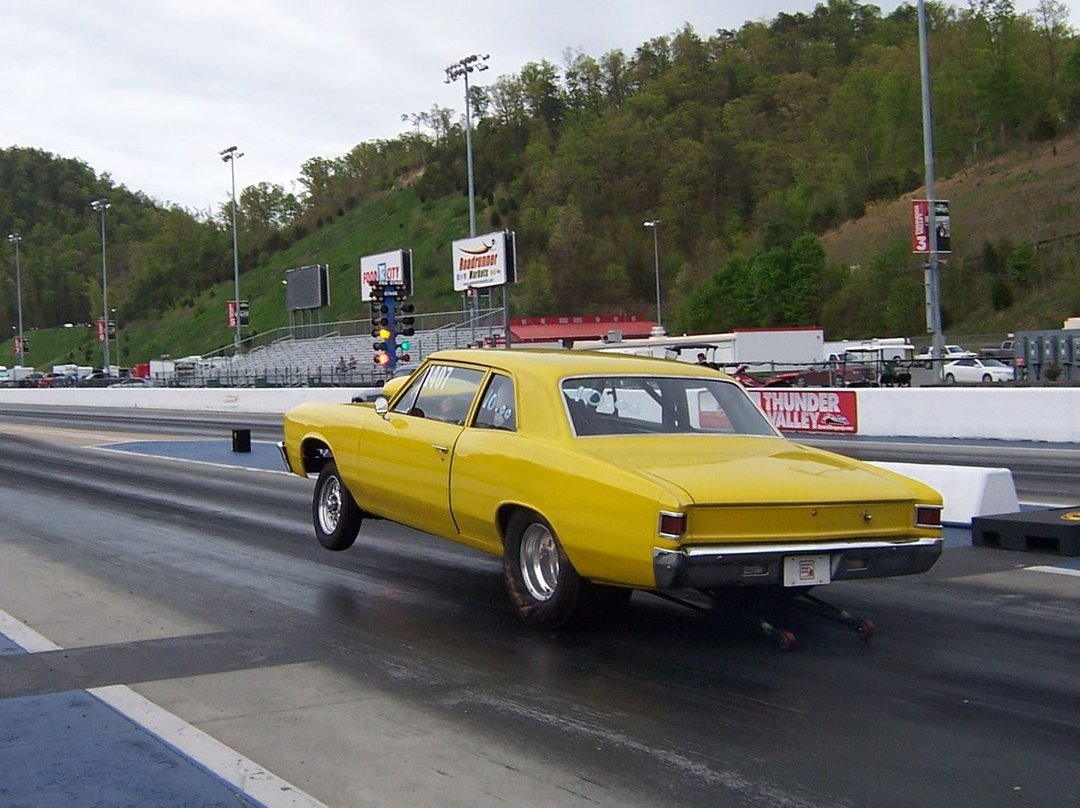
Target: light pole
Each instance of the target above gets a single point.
(461, 70)
(15, 238)
(230, 156)
(655, 225)
(930, 274)
(100, 206)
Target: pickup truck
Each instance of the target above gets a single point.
(1005, 352)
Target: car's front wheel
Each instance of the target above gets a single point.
(543, 585)
(334, 512)
(986, 378)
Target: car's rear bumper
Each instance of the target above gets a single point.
(763, 565)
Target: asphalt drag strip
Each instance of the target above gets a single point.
(108, 745)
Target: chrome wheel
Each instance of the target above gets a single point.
(334, 513)
(539, 559)
(330, 505)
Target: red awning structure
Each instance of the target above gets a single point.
(586, 327)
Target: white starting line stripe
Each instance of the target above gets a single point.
(241, 772)
(1056, 570)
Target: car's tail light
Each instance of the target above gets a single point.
(928, 516)
(672, 525)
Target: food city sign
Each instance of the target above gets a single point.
(482, 261)
(810, 410)
(392, 268)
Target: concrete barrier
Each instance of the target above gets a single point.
(991, 412)
(216, 399)
(967, 491)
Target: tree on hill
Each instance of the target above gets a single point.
(746, 144)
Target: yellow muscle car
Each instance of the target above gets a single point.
(593, 474)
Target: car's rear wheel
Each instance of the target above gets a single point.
(543, 585)
(334, 512)
(949, 378)
(986, 378)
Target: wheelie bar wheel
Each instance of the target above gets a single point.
(785, 640)
(864, 629)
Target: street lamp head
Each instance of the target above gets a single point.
(651, 223)
(100, 205)
(467, 65)
(14, 238)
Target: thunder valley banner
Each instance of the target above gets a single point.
(810, 410)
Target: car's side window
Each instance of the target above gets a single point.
(443, 393)
(407, 401)
(497, 407)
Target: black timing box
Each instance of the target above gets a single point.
(1051, 531)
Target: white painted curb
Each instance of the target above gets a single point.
(967, 491)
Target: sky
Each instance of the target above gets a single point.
(150, 91)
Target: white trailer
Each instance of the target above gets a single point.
(759, 349)
(875, 349)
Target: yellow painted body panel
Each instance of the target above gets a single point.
(602, 494)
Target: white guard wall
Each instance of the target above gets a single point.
(218, 399)
(1001, 413)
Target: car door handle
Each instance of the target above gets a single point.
(440, 449)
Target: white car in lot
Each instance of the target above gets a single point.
(949, 353)
(977, 370)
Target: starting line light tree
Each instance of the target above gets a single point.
(404, 329)
(383, 327)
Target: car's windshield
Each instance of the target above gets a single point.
(993, 363)
(629, 405)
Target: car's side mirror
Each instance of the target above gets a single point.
(382, 405)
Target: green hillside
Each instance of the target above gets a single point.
(772, 155)
(199, 326)
(1016, 228)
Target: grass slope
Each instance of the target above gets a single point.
(1029, 195)
(379, 224)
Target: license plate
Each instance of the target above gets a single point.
(806, 570)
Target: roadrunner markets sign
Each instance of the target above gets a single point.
(481, 261)
(810, 410)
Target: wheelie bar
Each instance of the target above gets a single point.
(815, 605)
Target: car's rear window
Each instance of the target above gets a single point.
(628, 405)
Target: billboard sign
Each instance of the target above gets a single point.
(810, 410)
(307, 287)
(392, 268)
(920, 226)
(232, 311)
(481, 261)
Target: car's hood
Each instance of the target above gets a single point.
(733, 470)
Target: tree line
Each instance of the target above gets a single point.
(745, 144)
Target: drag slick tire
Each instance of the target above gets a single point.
(334, 513)
(544, 588)
(542, 583)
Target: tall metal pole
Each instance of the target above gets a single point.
(101, 205)
(655, 225)
(230, 156)
(933, 293)
(15, 238)
(468, 157)
(461, 70)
